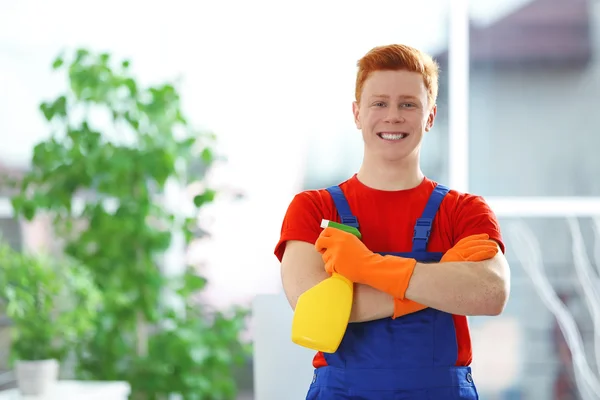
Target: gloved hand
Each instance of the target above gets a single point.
(471, 248)
(345, 254)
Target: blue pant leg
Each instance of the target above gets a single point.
(454, 393)
(325, 393)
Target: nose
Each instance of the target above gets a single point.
(394, 115)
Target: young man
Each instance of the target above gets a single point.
(428, 258)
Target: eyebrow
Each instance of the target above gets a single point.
(385, 96)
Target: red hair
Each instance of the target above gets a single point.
(396, 57)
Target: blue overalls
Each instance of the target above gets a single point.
(408, 358)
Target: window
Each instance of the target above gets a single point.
(533, 80)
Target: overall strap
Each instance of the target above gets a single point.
(342, 206)
(423, 225)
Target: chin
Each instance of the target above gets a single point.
(379, 150)
(397, 158)
(398, 155)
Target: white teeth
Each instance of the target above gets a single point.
(392, 136)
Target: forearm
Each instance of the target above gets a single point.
(370, 304)
(462, 288)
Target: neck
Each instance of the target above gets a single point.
(391, 176)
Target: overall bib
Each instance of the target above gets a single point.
(408, 358)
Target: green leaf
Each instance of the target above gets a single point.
(28, 210)
(47, 110)
(104, 58)
(57, 63)
(207, 155)
(191, 284)
(131, 85)
(60, 106)
(204, 198)
(194, 282)
(80, 55)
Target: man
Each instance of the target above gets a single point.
(429, 256)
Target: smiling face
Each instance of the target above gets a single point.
(393, 114)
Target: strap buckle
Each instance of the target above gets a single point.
(422, 229)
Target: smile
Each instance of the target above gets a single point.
(392, 135)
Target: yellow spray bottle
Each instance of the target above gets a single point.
(322, 313)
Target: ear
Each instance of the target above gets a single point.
(355, 111)
(431, 118)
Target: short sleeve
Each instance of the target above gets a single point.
(474, 216)
(302, 221)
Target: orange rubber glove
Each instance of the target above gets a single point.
(471, 248)
(345, 254)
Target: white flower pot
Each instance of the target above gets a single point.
(35, 378)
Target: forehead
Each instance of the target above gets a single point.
(395, 84)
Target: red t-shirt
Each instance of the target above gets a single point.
(387, 220)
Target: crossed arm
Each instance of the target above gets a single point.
(462, 288)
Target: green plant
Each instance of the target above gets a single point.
(114, 146)
(51, 304)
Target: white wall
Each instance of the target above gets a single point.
(282, 370)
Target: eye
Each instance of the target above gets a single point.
(379, 104)
(407, 105)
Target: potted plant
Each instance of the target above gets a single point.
(51, 306)
(114, 147)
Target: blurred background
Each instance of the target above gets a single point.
(273, 82)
